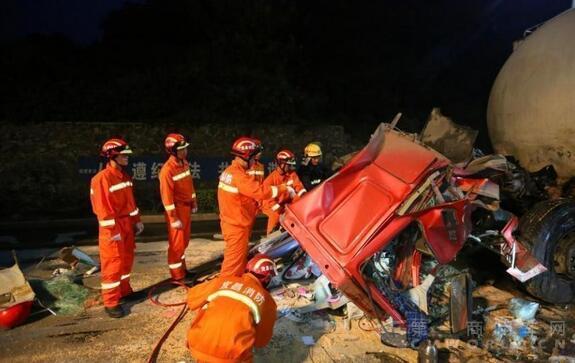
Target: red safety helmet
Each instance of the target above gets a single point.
(285, 157)
(246, 147)
(15, 315)
(115, 147)
(175, 142)
(262, 267)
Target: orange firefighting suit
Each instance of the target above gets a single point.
(238, 194)
(114, 205)
(234, 314)
(179, 199)
(274, 208)
(257, 172)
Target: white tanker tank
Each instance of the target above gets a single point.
(531, 111)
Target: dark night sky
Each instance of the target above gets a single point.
(350, 62)
(80, 20)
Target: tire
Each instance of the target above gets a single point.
(541, 230)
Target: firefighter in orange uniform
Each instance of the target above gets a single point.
(234, 314)
(114, 205)
(179, 200)
(257, 170)
(283, 174)
(238, 195)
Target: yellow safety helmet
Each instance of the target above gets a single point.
(312, 150)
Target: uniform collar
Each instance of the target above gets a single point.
(236, 164)
(176, 162)
(251, 275)
(117, 172)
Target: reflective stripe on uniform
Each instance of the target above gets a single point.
(125, 277)
(184, 256)
(119, 186)
(255, 172)
(228, 188)
(238, 297)
(107, 223)
(193, 195)
(290, 182)
(109, 285)
(274, 191)
(170, 207)
(181, 175)
(276, 207)
(175, 265)
(135, 212)
(300, 193)
(91, 191)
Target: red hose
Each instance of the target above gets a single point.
(156, 301)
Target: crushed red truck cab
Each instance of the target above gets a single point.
(369, 225)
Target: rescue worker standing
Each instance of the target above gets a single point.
(312, 171)
(257, 169)
(234, 314)
(114, 205)
(238, 196)
(283, 174)
(179, 200)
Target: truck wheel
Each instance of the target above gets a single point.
(548, 230)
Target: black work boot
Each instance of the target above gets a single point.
(115, 312)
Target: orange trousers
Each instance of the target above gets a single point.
(236, 250)
(273, 220)
(116, 260)
(178, 240)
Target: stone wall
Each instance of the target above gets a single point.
(38, 162)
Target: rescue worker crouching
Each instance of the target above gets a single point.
(238, 196)
(312, 171)
(179, 200)
(113, 203)
(234, 314)
(283, 174)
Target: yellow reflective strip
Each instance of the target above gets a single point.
(274, 191)
(170, 207)
(301, 192)
(290, 182)
(276, 207)
(135, 212)
(193, 195)
(228, 188)
(175, 265)
(119, 186)
(91, 191)
(181, 175)
(109, 285)
(107, 223)
(124, 277)
(255, 172)
(238, 297)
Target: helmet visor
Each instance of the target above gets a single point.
(124, 149)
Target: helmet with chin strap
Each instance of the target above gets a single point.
(246, 147)
(115, 147)
(262, 267)
(175, 142)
